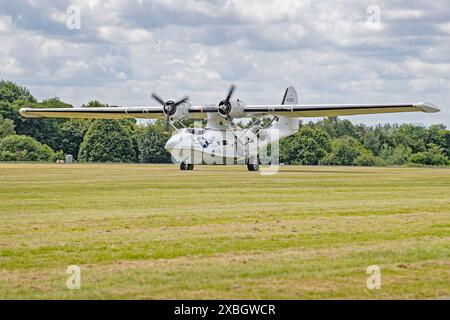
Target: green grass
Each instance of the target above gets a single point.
(151, 231)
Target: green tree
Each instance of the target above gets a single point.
(438, 135)
(447, 142)
(337, 128)
(151, 143)
(23, 148)
(411, 136)
(372, 141)
(6, 127)
(343, 152)
(72, 133)
(133, 130)
(434, 156)
(46, 131)
(10, 92)
(398, 155)
(307, 147)
(107, 141)
(7, 111)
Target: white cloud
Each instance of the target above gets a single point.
(123, 35)
(265, 12)
(72, 69)
(10, 67)
(58, 16)
(445, 27)
(403, 14)
(5, 24)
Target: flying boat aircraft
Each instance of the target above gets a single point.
(221, 141)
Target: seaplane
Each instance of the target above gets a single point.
(221, 141)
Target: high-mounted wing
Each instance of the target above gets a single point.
(334, 110)
(94, 113)
(108, 112)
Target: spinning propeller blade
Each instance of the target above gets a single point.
(225, 105)
(158, 99)
(230, 93)
(185, 99)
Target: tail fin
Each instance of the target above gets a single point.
(290, 96)
(288, 126)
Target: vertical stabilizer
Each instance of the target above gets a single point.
(288, 126)
(290, 96)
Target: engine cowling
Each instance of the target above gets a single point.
(176, 112)
(231, 109)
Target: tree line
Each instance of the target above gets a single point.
(331, 141)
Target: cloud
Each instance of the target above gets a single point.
(5, 24)
(127, 49)
(124, 35)
(10, 67)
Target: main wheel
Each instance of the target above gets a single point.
(186, 166)
(252, 166)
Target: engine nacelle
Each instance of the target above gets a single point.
(231, 109)
(177, 113)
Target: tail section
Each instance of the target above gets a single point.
(288, 126)
(290, 96)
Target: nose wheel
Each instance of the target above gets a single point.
(252, 166)
(186, 166)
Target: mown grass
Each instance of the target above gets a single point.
(151, 231)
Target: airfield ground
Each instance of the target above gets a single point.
(152, 231)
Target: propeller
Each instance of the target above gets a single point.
(169, 107)
(225, 105)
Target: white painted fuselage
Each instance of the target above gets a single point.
(222, 143)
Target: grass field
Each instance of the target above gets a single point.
(151, 231)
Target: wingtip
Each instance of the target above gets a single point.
(25, 112)
(428, 107)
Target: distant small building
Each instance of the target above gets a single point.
(69, 158)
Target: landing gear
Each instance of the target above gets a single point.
(252, 166)
(186, 166)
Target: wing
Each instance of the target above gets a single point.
(108, 112)
(334, 110)
(94, 113)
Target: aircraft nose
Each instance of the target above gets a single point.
(171, 143)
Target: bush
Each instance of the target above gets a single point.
(23, 148)
(367, 159)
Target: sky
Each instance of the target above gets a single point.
(119, 52)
